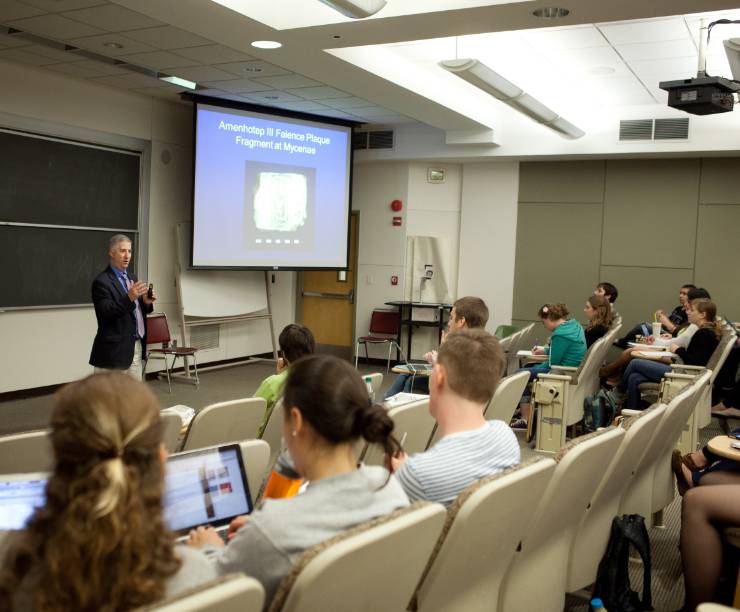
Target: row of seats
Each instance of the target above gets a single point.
(515, 541)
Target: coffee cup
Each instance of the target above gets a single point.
(656, 330)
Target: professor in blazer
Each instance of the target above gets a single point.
(121, 305)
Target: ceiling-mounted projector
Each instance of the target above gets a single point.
(701, 95)
(356, 9)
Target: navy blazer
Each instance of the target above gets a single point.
(113, 347)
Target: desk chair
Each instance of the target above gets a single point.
(384, 329)
(29, 451)
(256, 457)
(230, 593)
(172, 426)
(158, 332)
(506, 398)
(374, 566)
(225, 422)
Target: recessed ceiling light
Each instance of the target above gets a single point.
(601, 70)
(252, 69)
(551, 12)
(113, 45)
(178, 81)
(266, 44)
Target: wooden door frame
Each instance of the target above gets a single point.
(299, 286)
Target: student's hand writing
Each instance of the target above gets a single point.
(204, 536)
(236, 525)
(538, 350)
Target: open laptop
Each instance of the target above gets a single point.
(206, 487)
(20, 495)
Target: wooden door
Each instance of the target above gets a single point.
(328, 305)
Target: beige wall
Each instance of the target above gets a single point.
(646, 225)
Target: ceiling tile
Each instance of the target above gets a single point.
(287, 82)
(237, 86)
(658, 50)
(372, 111)
(57, 6)
(130, 81)
(224, 95)
(340, 115)
(390, 120)
(213, 54)
(98, 44)
(167, 37)
(56, 54)
(101, 68)
(577, 62)
(318, 93)
(347, 103)
(272, 97)
(253, 68)
(112, 18)
(74, 69)
(619, 91)
(159, 60)
(201, 74)
(645, 31)
(578, 37)
(54, 26)
(13, 41)
(303, 106)
(24, 57)
(12, 9)
(665, 69)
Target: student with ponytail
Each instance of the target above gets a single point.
(100, 542)
(326, 411)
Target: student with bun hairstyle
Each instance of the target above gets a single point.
(567, 348)
(326, 412)
(100, 542)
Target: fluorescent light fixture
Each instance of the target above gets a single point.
(356, 9)
(266, 44)
(478, 74)
(178, 81)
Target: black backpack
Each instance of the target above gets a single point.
(612, 581)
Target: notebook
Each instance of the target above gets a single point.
(206, 487)
(20, 495)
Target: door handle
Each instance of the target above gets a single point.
(349, 296)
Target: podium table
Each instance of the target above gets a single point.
(406, 310)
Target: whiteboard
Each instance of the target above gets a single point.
(216, 293)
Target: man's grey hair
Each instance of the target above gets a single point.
(114, 240)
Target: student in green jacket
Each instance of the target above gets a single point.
(295, 341)
(567, 348)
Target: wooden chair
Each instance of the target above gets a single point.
(225, 422)
(29, 451)
(158, 332)
(230, 593)
(374, 566)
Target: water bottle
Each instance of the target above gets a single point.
(369, 387)
(284, 481)
(597, 605)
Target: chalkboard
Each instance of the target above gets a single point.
(62, 183)
(44, 266)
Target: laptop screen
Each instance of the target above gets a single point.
(20, 495)
(205, 487)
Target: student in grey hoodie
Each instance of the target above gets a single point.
(567, 348)
(326, 412)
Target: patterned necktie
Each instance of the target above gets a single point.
(139, 316)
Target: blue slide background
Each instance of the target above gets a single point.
(219, 207)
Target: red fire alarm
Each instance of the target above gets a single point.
(396, 205)
(397, 221)
(394, 280)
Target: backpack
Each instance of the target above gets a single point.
(612, 584)
(598, 411)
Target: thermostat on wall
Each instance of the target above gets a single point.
(435, 175)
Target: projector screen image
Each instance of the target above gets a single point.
(271, 192)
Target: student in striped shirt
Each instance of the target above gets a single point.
(463, 380)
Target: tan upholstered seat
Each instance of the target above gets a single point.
(374, 566)
(516, 342)
(506, 398)
(256, 457)
(483, 529)
(172, 426)
(29, 451)
(592, 535)
(225, 422)
(412, 420)
(231, 593)
(273, 433)
(537, 577)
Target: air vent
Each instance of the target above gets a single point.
(670, 129)
(654, 129)
(636, 129)
(378, 139)
(205, 336)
